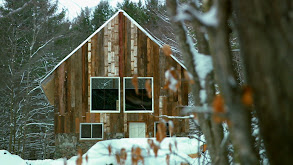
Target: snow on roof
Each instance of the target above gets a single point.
(99, 29)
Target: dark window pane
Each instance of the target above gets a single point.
(167, 129)
(85, 131)
(140, 101)
(104, 99)
(105, 94)
(97, 131)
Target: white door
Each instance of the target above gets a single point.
(136, 130)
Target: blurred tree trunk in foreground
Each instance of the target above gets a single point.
(265, 34)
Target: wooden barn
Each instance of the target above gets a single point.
(93, 93)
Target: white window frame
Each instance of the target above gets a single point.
(91, 131)
(104, 111)
(155, 130)
(142, 110)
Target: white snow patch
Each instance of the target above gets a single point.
(186, 12)
(99, 153)
(210, 18)
(7, 158)
(203, 66)
(203, 96)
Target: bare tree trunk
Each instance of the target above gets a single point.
(213, 131)
(218, 32)
(267, 47)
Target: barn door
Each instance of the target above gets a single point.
(136, 130)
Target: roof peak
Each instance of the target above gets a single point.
(99, 29)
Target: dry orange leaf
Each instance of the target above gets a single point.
(123, 154)
(218, 119)
(137, 151)
(156, 149)
(150, 142)
(203, 148)
(194, 115)
(166, 86)
(188, 77)
(170, 147)
(86, 158)
(197, 155)
(110, 149)
(218, 104)
(174, 73)
(161, 133)
(167, 50)
(79, 157)
(182, 163)
(168, 159)
(135, 83)
(136, 155)
(117, 158)
(172, 81)
(148, 88)
(247, 97)
(153, 146)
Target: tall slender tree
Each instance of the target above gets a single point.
(29, 30)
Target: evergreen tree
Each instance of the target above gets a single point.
(136, 11)
(101, 14)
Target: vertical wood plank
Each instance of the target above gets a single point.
(67, 123)
(121, 44)
(89, 64)
(142, 53)
(56, 123)
(156, 77)
(84, 79)
(61, 88)
(127, 46)
(61, 125)
(150, 56)
(78, 83)
(94, 52)
(72, 92)
(87, 117)
(68, 110)
(77, 125)
(102, 43)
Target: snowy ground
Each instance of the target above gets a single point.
(99, 153)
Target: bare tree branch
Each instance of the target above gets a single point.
(17, 10)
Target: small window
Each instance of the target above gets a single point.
(105, 94)
(167, 129)
(91, 131)
(141, 102)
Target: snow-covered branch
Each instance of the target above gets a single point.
(44, 45)
(17, 10)
(189, 13)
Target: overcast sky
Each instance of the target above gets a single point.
(74, 6)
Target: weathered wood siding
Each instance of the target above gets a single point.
(120, 49)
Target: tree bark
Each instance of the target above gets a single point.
(265, 30)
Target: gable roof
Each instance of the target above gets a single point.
(99, 29)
